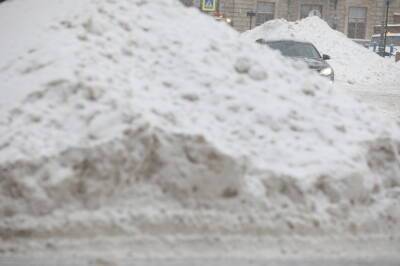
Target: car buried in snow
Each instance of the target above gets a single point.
(305, 52)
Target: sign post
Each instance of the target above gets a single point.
(384, 30)
(251, 14)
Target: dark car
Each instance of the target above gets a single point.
(304, 51)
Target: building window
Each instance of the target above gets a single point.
(357, 22)
(265, 11)
(310, 10)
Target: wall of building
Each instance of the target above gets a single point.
(334, 12)
(343, 14)
(396, 18)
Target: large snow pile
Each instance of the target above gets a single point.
(352, 62)
(147, 117)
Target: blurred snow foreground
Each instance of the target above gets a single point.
(352, 63)
(146, 117)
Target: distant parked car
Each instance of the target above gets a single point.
(304, 51)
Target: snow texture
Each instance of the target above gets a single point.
(146, 117)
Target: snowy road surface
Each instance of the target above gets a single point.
(19, 261)
(388, 101)
(384, 97)
(236, 251)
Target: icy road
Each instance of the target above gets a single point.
(384, 97)
(384, 261)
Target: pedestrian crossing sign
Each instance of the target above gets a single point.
(209, 5)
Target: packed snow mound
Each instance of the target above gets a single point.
(162, 106)
(352, 62)
(26, 36)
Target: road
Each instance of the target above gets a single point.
(78, 261)
(237, 250)
(386, 97)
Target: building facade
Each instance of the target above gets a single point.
(355, 18)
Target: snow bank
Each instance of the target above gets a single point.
(166, 121)
(26, 36)
(352, 62)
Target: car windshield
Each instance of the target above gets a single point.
(295, 49)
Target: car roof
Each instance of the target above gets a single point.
(281, 40)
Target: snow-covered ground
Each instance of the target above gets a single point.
(149, 122)
(22, 27)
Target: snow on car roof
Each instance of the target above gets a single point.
(283, 40)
